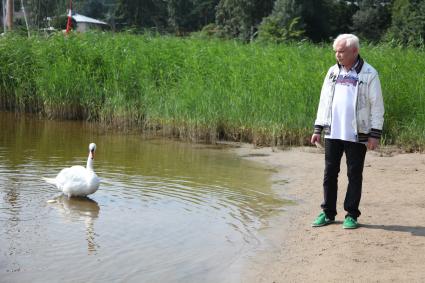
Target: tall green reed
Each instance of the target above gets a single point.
(199, 89)
(17, 74)
(403, 85)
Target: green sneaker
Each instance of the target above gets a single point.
(350, 223)
(322, 220)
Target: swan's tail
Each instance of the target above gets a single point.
(50, 180)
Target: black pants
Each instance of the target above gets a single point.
(355, 155)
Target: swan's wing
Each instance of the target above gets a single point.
(93, 182)
(77, 181)
(67, 176)
(73, 177)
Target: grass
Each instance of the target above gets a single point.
(199, 89)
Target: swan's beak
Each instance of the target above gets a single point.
(92, 154)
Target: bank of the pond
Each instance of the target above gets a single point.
(386, 248)
(199, 89)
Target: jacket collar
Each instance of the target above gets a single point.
(357, 66)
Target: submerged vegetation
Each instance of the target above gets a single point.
(199, 89)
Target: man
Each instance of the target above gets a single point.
(351, 116)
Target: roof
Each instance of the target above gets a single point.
(83, 19)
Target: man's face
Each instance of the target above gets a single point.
(345, 56)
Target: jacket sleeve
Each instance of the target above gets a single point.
(376, 107)
(320, 116)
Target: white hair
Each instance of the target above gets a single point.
(350, 40)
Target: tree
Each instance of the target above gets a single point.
(187, 16)
(317, 16)
(341, 17)
(408, 22)
(179, 17)
(271, 30)
(371, 20)
(141, 14)
(240, 18)
(204, 12)
(320, 20)
(40, 10)
(95, 9)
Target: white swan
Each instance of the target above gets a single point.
(77, 180)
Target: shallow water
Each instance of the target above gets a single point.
(166, 211)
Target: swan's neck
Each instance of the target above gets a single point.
(90, 162)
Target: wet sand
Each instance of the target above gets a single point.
(389, 246)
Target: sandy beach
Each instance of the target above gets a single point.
(389, 246)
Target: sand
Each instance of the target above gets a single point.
(389, 246)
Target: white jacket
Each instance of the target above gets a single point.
(369, 117)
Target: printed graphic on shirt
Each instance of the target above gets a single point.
(347, 80)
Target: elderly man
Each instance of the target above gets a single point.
(351, 116)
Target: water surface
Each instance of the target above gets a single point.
(166, 211)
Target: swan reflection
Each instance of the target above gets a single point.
(80, 209)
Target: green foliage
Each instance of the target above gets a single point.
(398, 21)
(175, 16)
(408, 23)
(207, 31)
(94, 9)
(39, 10)
(317, 17)
(233, 20)
(199, 89)
(371, 20)
(341, 17)
(59, 22)
(283, 19)
(141, 15)
(17, 73)
(318, 20)
(187, 16)
(404, 96)
(240, 18)
(270, 30)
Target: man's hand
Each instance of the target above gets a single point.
(372, 143)
(315, 138)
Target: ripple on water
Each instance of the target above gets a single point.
(191, 195)
(165, 212)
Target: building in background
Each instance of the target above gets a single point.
(83, 23)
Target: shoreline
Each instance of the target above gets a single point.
(389, 245)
